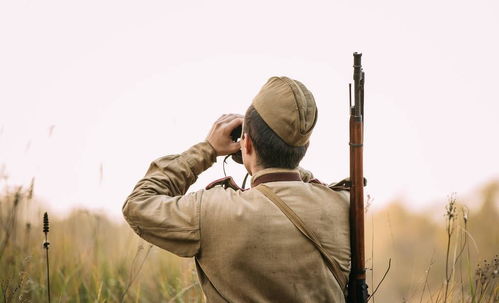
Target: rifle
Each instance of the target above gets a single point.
(357, 287)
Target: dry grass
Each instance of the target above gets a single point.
(93, 259)
(439, 260)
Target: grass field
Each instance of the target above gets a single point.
(448, 255)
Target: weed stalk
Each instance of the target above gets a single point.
(46, 245)
(451, 215)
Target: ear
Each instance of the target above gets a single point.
(247, 144)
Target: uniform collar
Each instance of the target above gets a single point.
(275, 174)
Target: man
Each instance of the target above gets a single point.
(245, 248)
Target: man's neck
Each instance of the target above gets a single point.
(255, 169)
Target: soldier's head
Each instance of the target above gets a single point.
(278, 125)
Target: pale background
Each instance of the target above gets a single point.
(92, 91)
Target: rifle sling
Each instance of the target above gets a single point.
(332, 264)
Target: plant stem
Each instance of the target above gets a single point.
(48, 267)
(447, 278)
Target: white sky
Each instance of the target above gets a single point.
(125, 82)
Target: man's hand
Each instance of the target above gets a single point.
(219, 136)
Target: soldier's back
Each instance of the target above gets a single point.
(251, 252)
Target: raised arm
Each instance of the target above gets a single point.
(158, 209)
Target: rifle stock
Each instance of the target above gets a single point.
(357, 287)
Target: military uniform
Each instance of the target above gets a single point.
(245, 248)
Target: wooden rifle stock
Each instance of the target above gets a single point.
(357, 287)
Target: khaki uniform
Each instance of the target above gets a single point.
(245, 248)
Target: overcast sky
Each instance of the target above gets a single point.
(92, 91)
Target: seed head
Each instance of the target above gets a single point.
(17, 197)
(450, 208)
(31, 188)
(45, 223)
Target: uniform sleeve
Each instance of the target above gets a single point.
(158, 209)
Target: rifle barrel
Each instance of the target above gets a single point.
(357, 289)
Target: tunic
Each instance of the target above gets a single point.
(245, 248)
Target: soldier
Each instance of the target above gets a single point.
(245, 248)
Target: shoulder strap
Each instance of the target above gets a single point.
(332, 264)
(226, 182)
(344, 184)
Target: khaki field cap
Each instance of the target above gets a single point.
(288, 108)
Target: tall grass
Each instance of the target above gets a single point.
(92, 259)
(438, 258)
(446, 258)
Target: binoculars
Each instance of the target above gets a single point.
(236, 135)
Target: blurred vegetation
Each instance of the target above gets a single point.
(417, 244)
(92, 259)
(442, 255)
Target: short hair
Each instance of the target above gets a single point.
(271, 150)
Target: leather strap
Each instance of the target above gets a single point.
(332, 264)
(344, 184)
(226, 182)
(274, 177)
